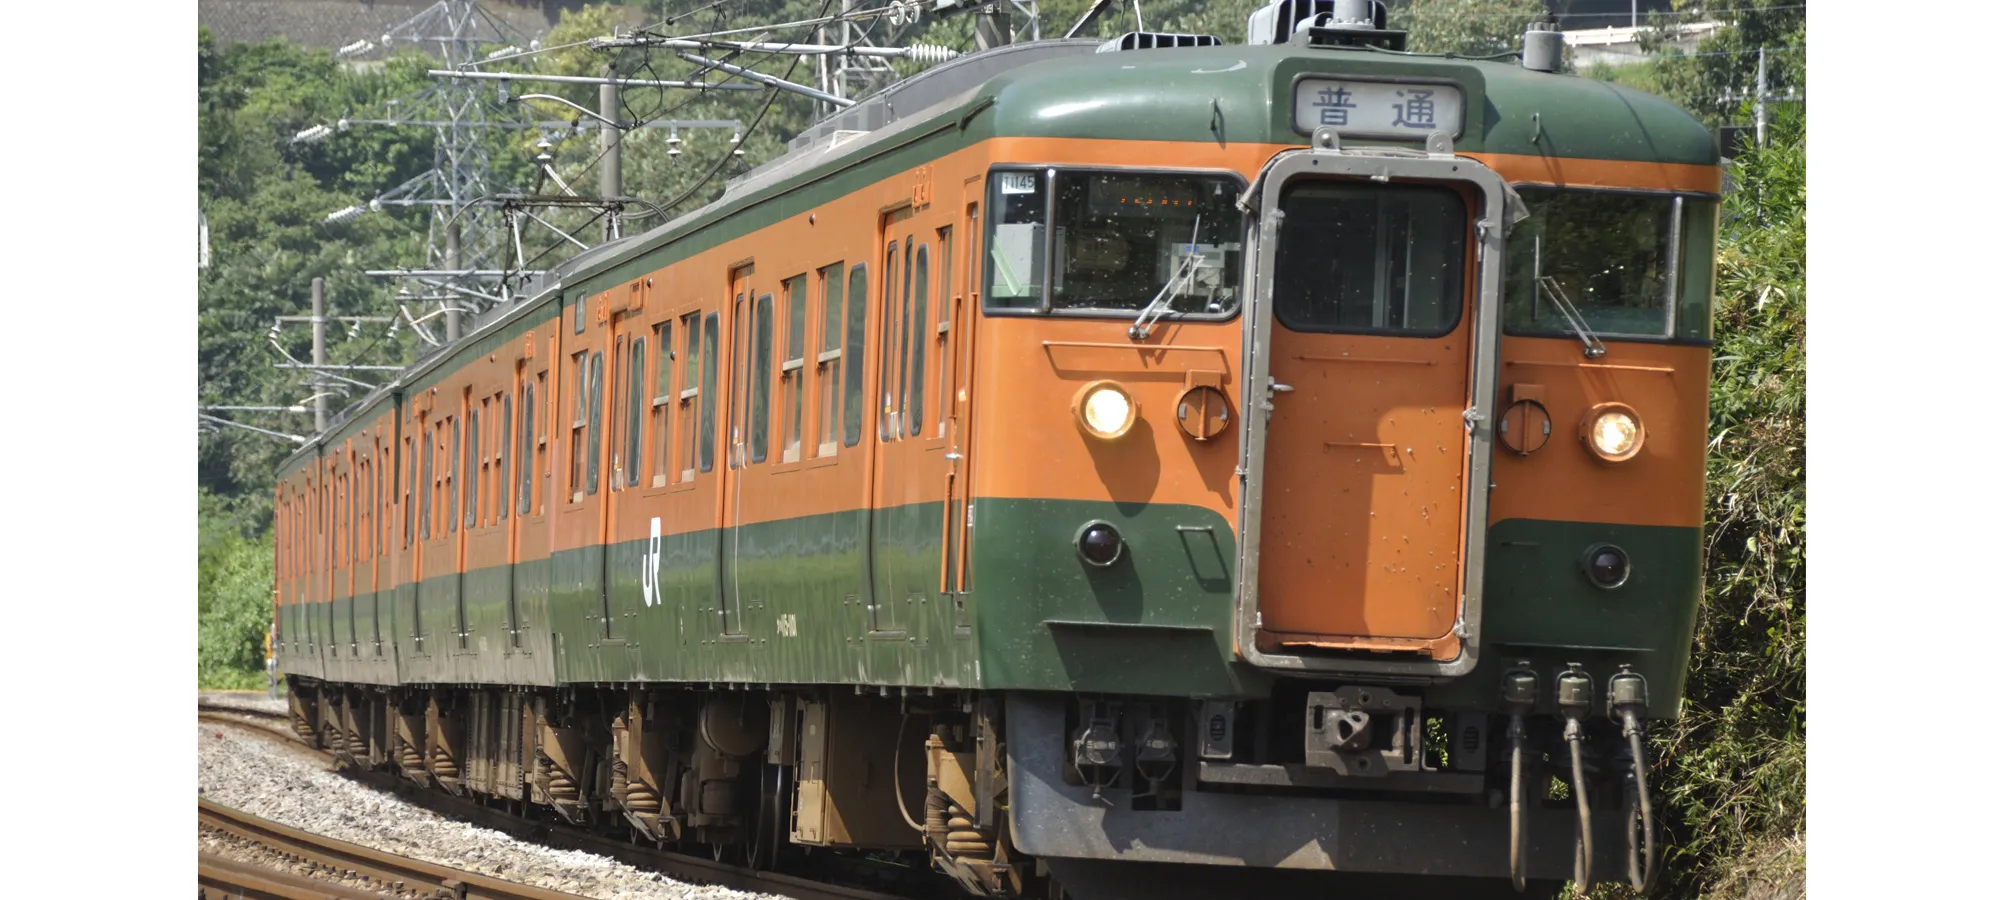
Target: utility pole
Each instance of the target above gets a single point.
(610, 176)
(453, 262)
(1760, 96)
(319, 352)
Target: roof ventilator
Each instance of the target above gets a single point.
(1326, 23)
(1542, 48)
(1154, 40)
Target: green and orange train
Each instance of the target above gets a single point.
(1076, 468)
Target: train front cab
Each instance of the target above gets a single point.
(1462, 530)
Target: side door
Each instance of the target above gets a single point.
(957, 321)
(438, 617)
(627, 401)
(533, 480)
(738, 440)
(413, 509)
(890, 479)
(577, 568)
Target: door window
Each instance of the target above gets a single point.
(1370, 259)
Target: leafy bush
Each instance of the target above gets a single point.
(1731, 769)
(234, 591)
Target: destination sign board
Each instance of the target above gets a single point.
(1386, 109)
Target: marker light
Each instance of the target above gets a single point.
(1099, 544)
(1105, 410)
(1607, 566)
(1613, 432)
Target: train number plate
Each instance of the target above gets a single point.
(1387, 109)
(1017, 182)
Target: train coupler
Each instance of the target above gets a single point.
(1364, 731)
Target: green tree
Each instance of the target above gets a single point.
(234, 596)
(1466, 27)
(1725, 64)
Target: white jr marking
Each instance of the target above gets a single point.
(788, 625)
(649, 577)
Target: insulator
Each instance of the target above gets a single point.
(312, 135)
(929, 54)
(344, 215)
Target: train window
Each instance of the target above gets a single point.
(615, 426)
(429, 488)
(1019, 242)
(596, 449)
(886, 426)
(473, 466)
(760, 383)
(709, 337)
(690, 392)
(826, 367)
(792, 372)
(576, 315)
(634, 401)
(663, 393)
(1124, 242)
(524, 504)
(1368, 258)
(452, 479)
(1697, 281)
(1120, 242)
(902, 398)
(857, 344)
(578, 368)
(944, 318)
(501, 441)
(1606, 255)
(410, 489)
(918, 338)
(385, 495)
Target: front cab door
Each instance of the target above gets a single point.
(1374, 330)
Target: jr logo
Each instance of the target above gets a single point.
(788, 625)
(649, 574)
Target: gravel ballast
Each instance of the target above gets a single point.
(267, 776)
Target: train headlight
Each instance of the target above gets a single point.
(1105, 410)
(1613, 432)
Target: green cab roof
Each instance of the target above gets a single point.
(1182, 94)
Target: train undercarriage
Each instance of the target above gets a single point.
(942, 793)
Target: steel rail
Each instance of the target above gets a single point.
(223, 878)
(387, 868)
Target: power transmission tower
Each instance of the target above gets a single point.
(464, 239)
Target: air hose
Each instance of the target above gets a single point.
(1642, 878)
(1517, 734)
(1517, 693)
(1627, 697)
(1573, 689)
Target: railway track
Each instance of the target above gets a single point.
(383, 872)
(680, 866)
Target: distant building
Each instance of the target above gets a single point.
(1620, 46)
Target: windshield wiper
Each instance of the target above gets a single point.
(1592, 347)
(1177, 283)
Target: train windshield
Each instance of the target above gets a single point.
(1608, 257)
(1119, 241)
